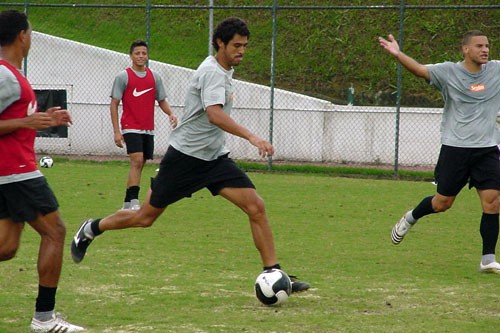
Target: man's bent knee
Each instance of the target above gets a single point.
(144, 221)
(442, 207)
(56, 231)
(256, 208)
(7, 252)
(441, 203)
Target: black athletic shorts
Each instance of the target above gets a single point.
(140, 143)
(456, 166)
(181, 175)
(22, 201)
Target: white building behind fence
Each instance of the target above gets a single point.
(304, 128)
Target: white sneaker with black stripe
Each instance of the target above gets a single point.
(400, 230)
(56, 324)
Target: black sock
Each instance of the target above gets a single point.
(94, 225)
(489, 229)
(46, 300)
(423, 208)
(127, 197)
(132, 193)
(277, 266)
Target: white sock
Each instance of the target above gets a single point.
(44, 316)
(87, 230)
(409, 217)
(488, 259)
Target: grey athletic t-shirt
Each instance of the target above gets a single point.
(472, 103)
(10, 90)
(195, 136)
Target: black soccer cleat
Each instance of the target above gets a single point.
(298, 286)
(80, 243)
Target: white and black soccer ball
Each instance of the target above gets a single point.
(273, 286)
(46, 162)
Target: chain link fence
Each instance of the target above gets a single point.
(336, 113)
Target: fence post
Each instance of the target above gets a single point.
(25, 60)
(210, 26)
(148, 22)
(398, 93)
(271, 103)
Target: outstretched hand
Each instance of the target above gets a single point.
(265, 148)
(390, 45)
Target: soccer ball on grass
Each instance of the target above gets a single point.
(273, 286)
(46, 162)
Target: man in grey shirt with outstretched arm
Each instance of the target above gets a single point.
(469, 137)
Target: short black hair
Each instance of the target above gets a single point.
(136, 43)
(12, 23)
(226, 30)
(469, 34)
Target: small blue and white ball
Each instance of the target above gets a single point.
(46, 162)
(272, 287)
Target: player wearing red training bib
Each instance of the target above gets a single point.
(18, 145)
(138, 100)
(137, 88)
(25, 195)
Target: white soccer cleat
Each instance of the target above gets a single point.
(400, 230)
(56, 324)
(492, 267)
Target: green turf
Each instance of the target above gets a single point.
(193, 271)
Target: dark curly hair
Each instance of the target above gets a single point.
(226, 30)
(136, 43)
(12, 23)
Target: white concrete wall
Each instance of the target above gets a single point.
(305, 128)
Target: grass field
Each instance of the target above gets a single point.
(193, 271)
